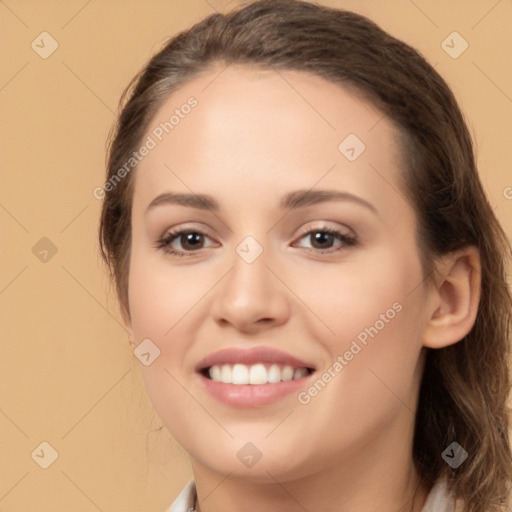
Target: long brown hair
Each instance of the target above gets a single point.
(465, 386)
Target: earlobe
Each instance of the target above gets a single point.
(455, 297)
(131, 339)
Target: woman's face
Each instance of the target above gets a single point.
(302, 264)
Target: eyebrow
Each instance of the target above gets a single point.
(291, 201)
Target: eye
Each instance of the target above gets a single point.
(185, 242)
(190, 240)
(324, 239)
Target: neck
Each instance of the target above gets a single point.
(227, 494)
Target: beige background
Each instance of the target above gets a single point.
(67, 374)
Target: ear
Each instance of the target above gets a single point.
(453, 298)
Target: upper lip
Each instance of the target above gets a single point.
(251, 356)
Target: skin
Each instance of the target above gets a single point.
(254, 137)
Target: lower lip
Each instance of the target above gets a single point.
(250, 395)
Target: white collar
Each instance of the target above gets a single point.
(438, 500)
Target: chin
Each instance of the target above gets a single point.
(253, 462)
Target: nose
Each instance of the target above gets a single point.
(251, 297)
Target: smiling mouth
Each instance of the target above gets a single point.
(254, 374)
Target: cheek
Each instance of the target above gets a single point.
(367, 295)
(160, 297)
(379, 383)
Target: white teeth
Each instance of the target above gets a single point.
(240, 374)
(215, 373)
(225, 375)
(299, 372)
(287, 373)
(274, 374)
(256, 374)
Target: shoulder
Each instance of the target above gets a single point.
(440, 499)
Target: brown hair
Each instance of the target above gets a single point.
(465, 386)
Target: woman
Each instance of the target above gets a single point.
(309, 267)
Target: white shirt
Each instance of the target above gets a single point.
(438, 499)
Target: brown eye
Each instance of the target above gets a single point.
(191, 240)
(184, 242)
(327, 240)
(321, 239)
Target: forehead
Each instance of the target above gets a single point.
(245, 125)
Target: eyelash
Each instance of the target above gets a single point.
(165, 242)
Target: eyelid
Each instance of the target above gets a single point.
(187, 228)
(322, 226)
